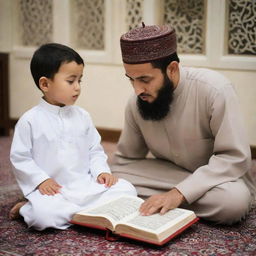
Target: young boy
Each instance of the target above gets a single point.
(58, 161)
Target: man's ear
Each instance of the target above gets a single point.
(172, 70)
(44, 83)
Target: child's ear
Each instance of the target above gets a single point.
(43, 83)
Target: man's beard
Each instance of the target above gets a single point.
(159, 108)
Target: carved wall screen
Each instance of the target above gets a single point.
(188, 19)
(89, 28)
(89, 19)
(242, 27)
(134, 13)
(36, 22)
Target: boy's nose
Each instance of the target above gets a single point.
(77, 86)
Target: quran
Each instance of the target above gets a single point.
(121, 217)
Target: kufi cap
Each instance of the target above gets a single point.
(148, 43)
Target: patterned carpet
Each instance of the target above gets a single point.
(203, 238)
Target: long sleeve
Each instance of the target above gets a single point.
(231, 153)
(97, 157)
(27, 172)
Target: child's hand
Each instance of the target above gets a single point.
(49, 187)
(107, 178)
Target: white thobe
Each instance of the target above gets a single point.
(60, 143)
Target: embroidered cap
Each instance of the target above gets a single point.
(148, 43)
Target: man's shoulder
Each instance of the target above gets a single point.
(209, 78)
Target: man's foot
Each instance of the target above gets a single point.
(15, 211)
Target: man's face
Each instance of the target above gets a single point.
(153, 88)
(145, 80)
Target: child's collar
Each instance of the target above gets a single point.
(53, 108)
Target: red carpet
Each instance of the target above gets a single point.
(201, 239)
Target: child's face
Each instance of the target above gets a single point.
(64, 88)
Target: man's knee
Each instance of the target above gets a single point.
(225, 204)
(233, 206)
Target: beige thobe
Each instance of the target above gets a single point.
(200, 148)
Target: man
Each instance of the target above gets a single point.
(190, 122)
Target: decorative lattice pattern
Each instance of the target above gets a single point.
(242, 27)
(134, 13)
(89, 19)
(36, 22)
(188, 19)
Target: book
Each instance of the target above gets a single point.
(121, 217)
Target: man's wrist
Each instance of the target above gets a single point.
(182, 198)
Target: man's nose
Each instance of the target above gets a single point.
(138, 88)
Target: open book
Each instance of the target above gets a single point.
(121, 216)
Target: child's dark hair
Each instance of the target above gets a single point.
(163, 63)
(48, 58)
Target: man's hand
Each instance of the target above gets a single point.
(49, 187)
(162, 202)
(107, 178)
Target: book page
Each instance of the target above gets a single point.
(118, 209)
(156, 222)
